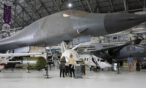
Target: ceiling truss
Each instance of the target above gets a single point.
(28, 11)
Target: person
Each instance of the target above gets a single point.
(71, 63)
(83, 69)
(46, 69)
(134, 65)
(130, 63)
(138, 66)
(62, 66)
(66, 69)
(28, 68)
(50, 61)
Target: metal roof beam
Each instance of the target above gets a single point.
(125, 5)
(97, 8)
(82, 4)
(111, 5)
(141, 3)
(23, 8)
(33, 9)
(57, 5)
(20, 17)
(89, 5)
(43, 5)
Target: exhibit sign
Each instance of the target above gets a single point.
(6, 17)
(7, 14)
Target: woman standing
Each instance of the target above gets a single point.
(71, 65)
(62, 66)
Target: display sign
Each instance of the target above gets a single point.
(6, 17)
(7, 14)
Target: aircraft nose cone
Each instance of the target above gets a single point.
(121, 21)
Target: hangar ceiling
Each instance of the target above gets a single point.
(24, 12)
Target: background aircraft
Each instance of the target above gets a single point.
(130, 49)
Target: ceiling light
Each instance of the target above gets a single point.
(70, 5)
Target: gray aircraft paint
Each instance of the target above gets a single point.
(122, 52)
(55, 28)
(132, 51)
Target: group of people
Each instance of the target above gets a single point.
(133, 65)
(67, 69)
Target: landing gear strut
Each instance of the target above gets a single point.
(118, 67)
(46, 69)
(47, 66)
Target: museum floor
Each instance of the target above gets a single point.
(106, 79)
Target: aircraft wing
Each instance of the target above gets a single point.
(121, 45)
(20, 54)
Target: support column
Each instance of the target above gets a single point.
(125, 5)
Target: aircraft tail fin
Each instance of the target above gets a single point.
(63, 46)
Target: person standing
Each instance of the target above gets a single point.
(130, 63)
(134, 65)
(28, 68)
(62, 66)
(138, 66)
(66, 69)
(83, 69)
(71, 63)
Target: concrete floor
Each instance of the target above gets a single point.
(35, 79)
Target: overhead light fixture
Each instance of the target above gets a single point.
(70, 5)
